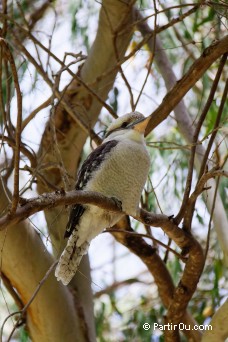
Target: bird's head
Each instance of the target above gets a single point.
(130, 125)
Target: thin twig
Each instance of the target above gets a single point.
(203, 180)
(140, 19)
(75, 76)
(31, 156)
(119, 66)
(160, 29)
(195, 72)
(144, 41)
(189, 214)
(211, 218)
(117, 284)
(72, 112)
(38, 13)
(152, 53)
(189, 51)
(216, 125)
(63, 171)
(116, 230)
(184, 205)
(31, 116)
(22, 312)
(4, 322)
(10, 58)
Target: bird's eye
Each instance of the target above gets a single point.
(124, 124)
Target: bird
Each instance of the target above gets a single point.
(118, 168)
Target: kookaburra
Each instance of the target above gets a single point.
(117, 168)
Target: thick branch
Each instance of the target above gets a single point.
(191, 274)
(156, 266)
(196, 71)
(50, 200)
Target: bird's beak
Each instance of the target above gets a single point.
(140, 126)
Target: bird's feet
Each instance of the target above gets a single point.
(117, 202)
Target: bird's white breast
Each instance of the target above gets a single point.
(123, 174)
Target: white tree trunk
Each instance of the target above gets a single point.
(24, 261)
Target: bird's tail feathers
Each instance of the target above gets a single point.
(70, 259)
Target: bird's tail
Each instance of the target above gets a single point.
(70, 259)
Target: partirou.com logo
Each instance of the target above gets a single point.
(180, 326)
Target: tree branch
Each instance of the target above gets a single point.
(183, 239)
(149, 256)
(45, 201)
(203, 115)
(50, 200)
(196, 71)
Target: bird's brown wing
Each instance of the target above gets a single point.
(90, 165)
